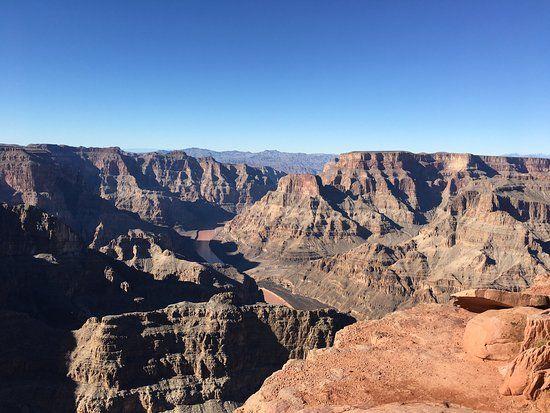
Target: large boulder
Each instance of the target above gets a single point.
(497, 334)
(529, 373)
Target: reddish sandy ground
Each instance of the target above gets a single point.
(412, 356)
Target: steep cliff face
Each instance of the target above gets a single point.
(190, 354)
(28, 231)
(154, 254)
(431, 224)
(46, 272)
(407, 187)
(396, 185)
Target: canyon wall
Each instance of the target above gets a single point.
(108, 190)
(410, 228)
(85, 331)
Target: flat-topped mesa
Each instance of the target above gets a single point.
(368, 160)
(483, 165)
(505, 165)
(441, 161)
(452, 163)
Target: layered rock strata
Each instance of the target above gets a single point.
(89, 187)
(154, 254)
(297, 221)
(133, 353)
(428, 225)
(189, 354)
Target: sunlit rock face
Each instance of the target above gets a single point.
(377, 231)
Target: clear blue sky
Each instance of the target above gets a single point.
(314, 76)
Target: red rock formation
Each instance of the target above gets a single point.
(407, 357)
(529, 373)
(497, 334)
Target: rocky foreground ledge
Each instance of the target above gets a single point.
(419, 360)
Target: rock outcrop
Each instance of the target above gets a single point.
(529, 373)
(28, 231)
(189, 354)
(407, 357)
(483, 299)
(497, 334)
(154, 254)
(430, 225)
(298, 221)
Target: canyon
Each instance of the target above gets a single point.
(379, 231)
(86, 332)
(164, 282)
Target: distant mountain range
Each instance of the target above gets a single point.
(528, 155)
(282, 161)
